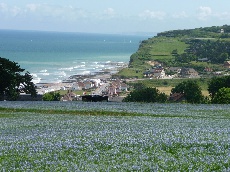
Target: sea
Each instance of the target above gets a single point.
(53, 57)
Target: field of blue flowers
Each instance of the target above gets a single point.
(150, 137)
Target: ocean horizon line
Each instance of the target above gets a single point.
(82, 32)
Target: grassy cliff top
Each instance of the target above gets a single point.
(161, 47)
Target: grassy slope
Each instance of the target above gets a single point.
(153, 49)
(163, 47)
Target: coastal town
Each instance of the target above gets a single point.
(88, 85)
(103, 83)
(97, 84)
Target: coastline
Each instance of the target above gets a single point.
(103, 75)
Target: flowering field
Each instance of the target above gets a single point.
(130, 137)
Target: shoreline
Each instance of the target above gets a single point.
(58, 75)
(103, 75)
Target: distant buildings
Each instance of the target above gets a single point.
(112, 88)
(159, 72)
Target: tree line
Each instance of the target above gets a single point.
(218, 87)
(206, 32)
(216, 52)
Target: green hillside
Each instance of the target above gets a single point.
(182, 48)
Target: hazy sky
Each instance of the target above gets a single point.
(112, 16)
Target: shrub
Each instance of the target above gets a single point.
(191, 91)
(146, 95)
(52, 96)
(222, 96)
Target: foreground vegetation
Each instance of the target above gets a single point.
(67, 136)
(14, 80)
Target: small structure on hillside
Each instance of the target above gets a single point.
(227, 64)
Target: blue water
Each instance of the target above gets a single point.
(54, 56)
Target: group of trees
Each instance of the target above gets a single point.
(222, 96)
(52, 96)
(219, 90)
(191, 91)
(146, 95)
(215, 51)
(184, 58)
(205, 32)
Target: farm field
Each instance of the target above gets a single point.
(83, 136)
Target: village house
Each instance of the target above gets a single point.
(159, 73)
(227, 64)
(78, 86)
(155, 72)
(112, 90)
(147, 73)
(114, 87)
(123, 87)
(174, 71)
(85, 85)
(117, 87)
(66, 86)
(189, 73)
(88, 85)
(96, 82)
